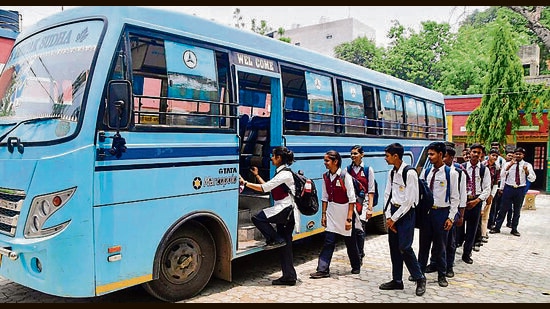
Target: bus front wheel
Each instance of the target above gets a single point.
(185, 264)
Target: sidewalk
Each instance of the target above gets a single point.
(506, 269)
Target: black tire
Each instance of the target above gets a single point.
(185, 265)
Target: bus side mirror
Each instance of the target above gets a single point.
(119, 104)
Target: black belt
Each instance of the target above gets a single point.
(472, 197)
(396, 205)
(438, 207)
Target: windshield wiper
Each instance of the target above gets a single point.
(32, 120)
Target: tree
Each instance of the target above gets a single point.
(463, 71)
(262, 29)
(533, 15)
(503, 90)
(416, 57)
(361, 51)
(238, 18)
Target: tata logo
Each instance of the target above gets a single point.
(310, 225)
(227, 170)
(197, 183)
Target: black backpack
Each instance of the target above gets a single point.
(425, 196)
(306, 194)
(360, 190)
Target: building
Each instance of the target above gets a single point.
(9, 29)
(326, 35)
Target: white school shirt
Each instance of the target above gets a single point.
(280, 178)
(440, 189)
(406, 196)
(509, 177)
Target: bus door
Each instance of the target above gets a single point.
(258, 83)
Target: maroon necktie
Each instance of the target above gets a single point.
(517, 174)
(473, 180)
(433, 179)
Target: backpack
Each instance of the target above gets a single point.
(425, 196)
(306, 193)
(360, 189)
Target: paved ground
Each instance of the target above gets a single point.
(507, 269)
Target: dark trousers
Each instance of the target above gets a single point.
(512, 198)
(284, 222)
(432, 234)
(471, 222)
(359, 235)
(494, 209)
(401, 250)
(327, 251)
(450, 248)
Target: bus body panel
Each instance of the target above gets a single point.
(67, 253)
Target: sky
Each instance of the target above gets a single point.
(377, 17)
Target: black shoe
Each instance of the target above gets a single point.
(450, 273)
(467, 259)
(356, 271)
(494, 231)
(420, 287)
(476, 248)
(430, 269)
(515, 233)
(485, 239)
(282, 281)
(509, 225)
(442, 281)
(319, 274)
(411, 278)
(392, 285)
(274, 244)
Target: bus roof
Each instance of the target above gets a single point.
(246, 41)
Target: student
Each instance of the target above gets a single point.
(478, 191)
(436, 225)
(514, 177)
(281, 213)
(400, 201)
(337, 217)
(366, 178)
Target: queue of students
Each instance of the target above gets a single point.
(463, 198)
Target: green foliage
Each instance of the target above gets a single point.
(415, 57)
(361, 51)
(263, 28)
(503, 90)
(463, 70)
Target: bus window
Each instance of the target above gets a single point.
(178, 85)
(321, 102)
(436, 121)
(411, 117)
(354, 111)
(370, 110)
(389, 119)
(422, 119)
(402, 130)
(296, 107)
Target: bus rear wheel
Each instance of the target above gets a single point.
(185, 264)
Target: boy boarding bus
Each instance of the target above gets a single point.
(123, 131)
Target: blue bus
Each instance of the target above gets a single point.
(123, 131)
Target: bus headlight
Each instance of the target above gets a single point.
(43, 207)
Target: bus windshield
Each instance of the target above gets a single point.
(45, 77)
